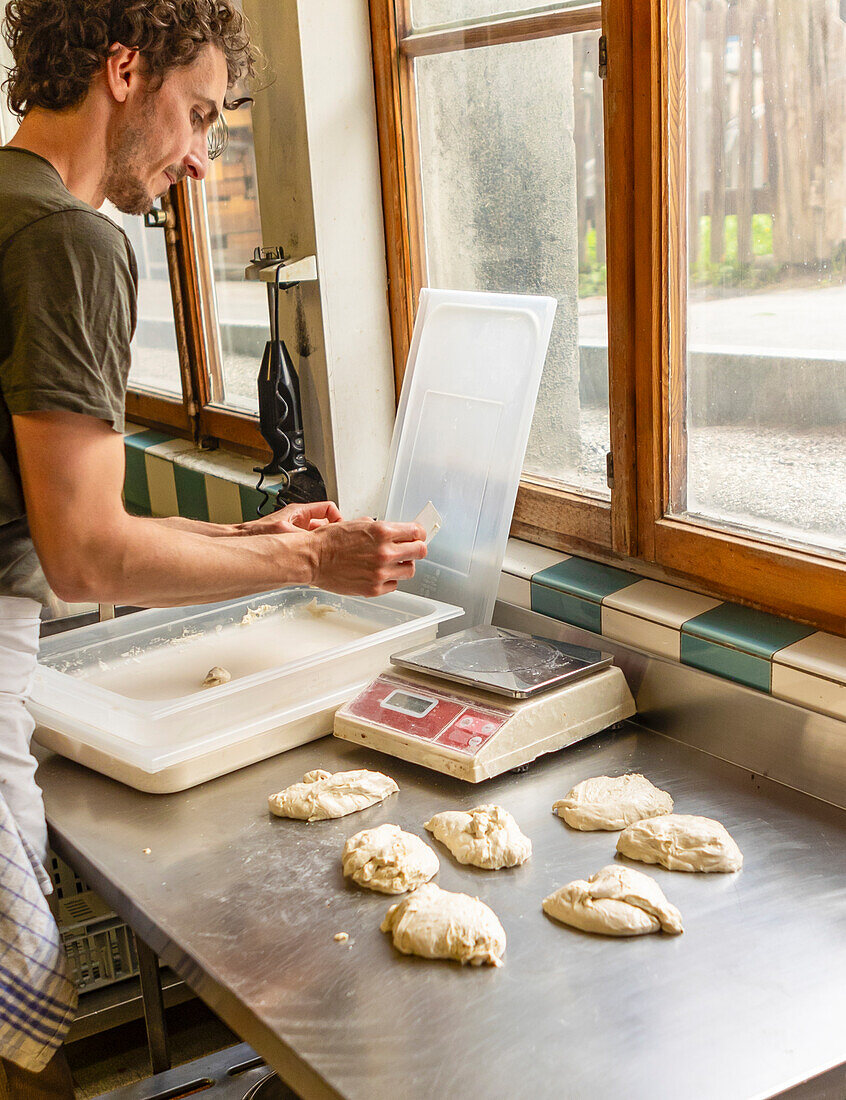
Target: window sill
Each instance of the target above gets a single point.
(166, 476)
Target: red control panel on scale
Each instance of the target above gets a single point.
(439, 719)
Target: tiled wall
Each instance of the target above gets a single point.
(166, 477)
(765, 652)
(171, 477)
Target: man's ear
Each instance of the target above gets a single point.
(122, 71)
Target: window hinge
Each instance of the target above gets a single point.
(609, 470)
(603, 57)
(156, 218)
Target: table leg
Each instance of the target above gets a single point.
(151, 995)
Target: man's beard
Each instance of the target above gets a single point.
(123, 183)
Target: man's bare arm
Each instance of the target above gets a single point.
(72, 469)
(293, 517)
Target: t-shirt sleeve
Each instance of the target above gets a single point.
(70, 284)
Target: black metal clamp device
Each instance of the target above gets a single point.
(280, 408)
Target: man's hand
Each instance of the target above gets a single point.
(292, 518)
(365, 557)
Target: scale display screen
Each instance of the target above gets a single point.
(418, 706)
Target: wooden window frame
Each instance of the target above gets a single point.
(192, 415)
(745, 568)
(645, 173)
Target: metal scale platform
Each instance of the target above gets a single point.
(486, 700)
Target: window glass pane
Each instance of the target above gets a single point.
(431, 13)
(228, 229)
(155, 358)
(766, 269)
(513, 197)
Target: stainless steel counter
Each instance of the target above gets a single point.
(749, 1001)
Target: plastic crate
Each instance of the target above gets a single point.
(66, 882)
(99, 946)
(100, 955)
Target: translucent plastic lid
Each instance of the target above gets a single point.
(463, 422)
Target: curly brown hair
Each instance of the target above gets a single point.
(58, 45)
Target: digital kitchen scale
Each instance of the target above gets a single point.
(485, 700)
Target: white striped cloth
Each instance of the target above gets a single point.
(37, 996)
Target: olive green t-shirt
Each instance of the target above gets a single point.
(68, 293)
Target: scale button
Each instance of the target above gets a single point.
(474, 742)
(488, 727)
(466, 723)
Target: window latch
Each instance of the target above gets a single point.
(603, 57)
(609, 470)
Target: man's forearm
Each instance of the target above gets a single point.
(150, 563)
(199, 527)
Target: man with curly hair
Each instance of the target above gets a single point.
(117, 99)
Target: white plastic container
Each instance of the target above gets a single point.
(125, 697)
(463, 422)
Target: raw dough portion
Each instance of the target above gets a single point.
(253, 614)
(616, 901)
(388, 860)
(437, 924)
(611, 804)
(217, 675)
(681, 842)
(321, 610)
(486, 837)
(323, 795)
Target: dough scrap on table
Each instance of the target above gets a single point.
(217, 675)
(616, 901)
(437, 924)
(681, 842)
(612, 803)
(486, 837)
(388, 860)
(322, 795)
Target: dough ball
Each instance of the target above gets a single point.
(437, 924)
(487, 837)
(217, 675)
(388, 860)
(323, 795)
(681, 842)
(612, 803)
(616, 901)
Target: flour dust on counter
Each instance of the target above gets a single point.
(486, 837)
(612, 803)
(389, 860)
(616, 901)
(681, 842)
(438, 924)
(322, 795)
(260, 641)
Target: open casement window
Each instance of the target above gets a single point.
(740, 249)
(494, 134)
(687, 211)
(202, 328)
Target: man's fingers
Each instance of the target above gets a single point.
(404, 532)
